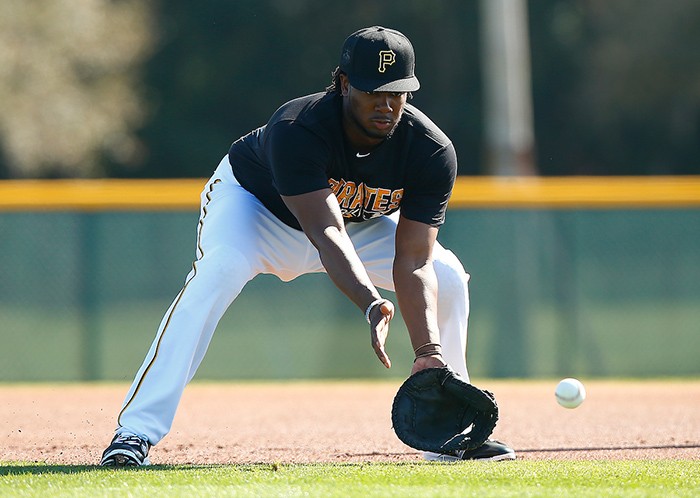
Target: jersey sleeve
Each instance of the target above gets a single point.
(298, 159)
(427, 195)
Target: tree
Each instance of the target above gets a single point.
(616, 86)
(69, 84)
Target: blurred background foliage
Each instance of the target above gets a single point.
(129, 88)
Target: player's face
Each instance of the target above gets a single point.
(370, 117)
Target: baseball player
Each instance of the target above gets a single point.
(353, 182)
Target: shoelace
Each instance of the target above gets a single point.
(135, 440)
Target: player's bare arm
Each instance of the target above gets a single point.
(322, 222)
(416, 290)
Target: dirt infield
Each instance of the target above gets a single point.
(348, 422)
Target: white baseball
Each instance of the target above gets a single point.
(570, 393)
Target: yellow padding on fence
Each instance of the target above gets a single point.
(577, 192)
(100, 195)
(469, 192)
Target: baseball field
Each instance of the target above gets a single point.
(629, 438)
(605, 284)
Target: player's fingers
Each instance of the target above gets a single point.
(385, 360)
(379, 335)
(383, 357)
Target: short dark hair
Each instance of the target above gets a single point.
(335, 86)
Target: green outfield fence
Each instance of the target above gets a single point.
(589, 277)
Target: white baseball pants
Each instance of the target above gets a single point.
(237, 239)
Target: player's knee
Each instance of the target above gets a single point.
(452, 278)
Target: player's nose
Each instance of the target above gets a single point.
(383, 103)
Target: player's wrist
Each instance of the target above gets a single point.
(432, 361)
(370, 308)
(428, 349)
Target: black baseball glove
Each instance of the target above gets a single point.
(437, 410)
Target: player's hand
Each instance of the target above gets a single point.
(433, 361)
(379, 320)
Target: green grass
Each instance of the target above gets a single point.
(422, 479)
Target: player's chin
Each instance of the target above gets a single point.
(380, 130)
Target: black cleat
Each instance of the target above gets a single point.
(126, 450)
(493, 451)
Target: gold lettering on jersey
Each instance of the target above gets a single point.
(381, 199)
(346, 193)
(396, 196)
(386, 58)
(362, 202)
(357, 199)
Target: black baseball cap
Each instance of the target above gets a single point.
(378, 59)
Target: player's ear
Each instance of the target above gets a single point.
(344, 85)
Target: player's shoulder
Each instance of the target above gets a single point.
(423, 126)
(308, 124)
(308, 110)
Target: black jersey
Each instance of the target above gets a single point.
(302, 149)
